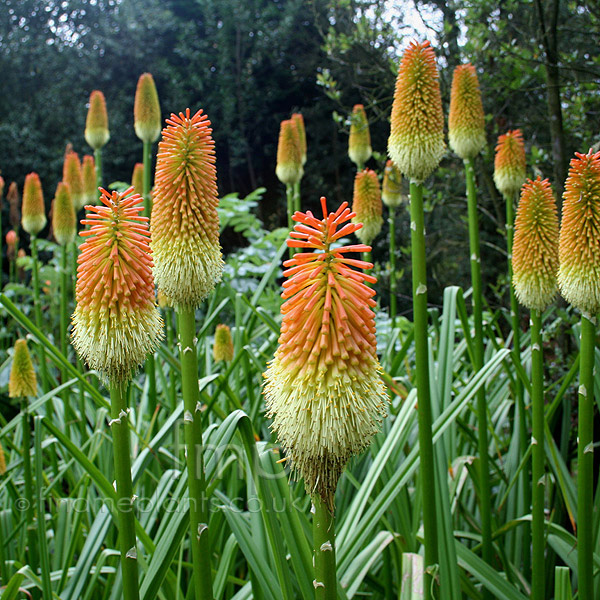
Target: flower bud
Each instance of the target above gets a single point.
(64, 224)
(289, 158)
(416, 142)
(509, 163)
(223, 346)
(22, 382)
(13, 201)
(299, 121)
(146, 109)
(137, 178)
(33, 211)
(391, 192)
(73, 176)
(359, 143)
(11, 244)
(366, 204)
(96, 123)
(90, 187)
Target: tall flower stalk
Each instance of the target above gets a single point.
(88, 173)
(579, 283)
(115, 325)
(298, 119)
(535, 263)
(323, 388)
(416, 145)
(467, 137)
(188, 264)
(96, 130)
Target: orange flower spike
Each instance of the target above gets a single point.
(72, 175)
(146, 109)
(96, 123)
(88, 173)
(535, 246)
(579, 242)
(323, 388)
(359, 143)
(391, 192)
(22, 382)
(64, 223)
(33, 211)
(366, 204)
(223, 346)
(137, 178)
(116, 322)
(509, 163)
(298, 119)
(466, 123)
(416, 142)
(13, 201)
(11, 244)
(1, 189)
(185, 222)
(289, 159)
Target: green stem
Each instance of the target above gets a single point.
(37, 311)
(122, 460)
(484, 470)
(199, 517)
(392, 224)
(64, 324)
(82, 415)
(419, 283)
(537, 452)
(289, 190)
(28, 481)
(324, 547)
(297, 202)
(98, 164)
(168, 318)
(585, 460)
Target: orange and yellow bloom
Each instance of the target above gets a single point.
(289, 154)
(366, 204)
(359, 143)
(73, 175)
(391, 191)
(33, 211)
(116, 322)
(64, 222)
(535, 246)
(146, 109)
(88, 174)
(323, 388)
(22, 382)
(509, 163)
(298, 119)
(579, 242)
(96, 123)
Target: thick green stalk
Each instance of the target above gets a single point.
(98, 163)
(194, 454)
(484, 471)
(289, 190)
(28, 481)
(37, 311)
(325, 582)
(419, 283)
(393, 287)
(537, 453)
(64, 324)
(297, 203)
(585, 460)
(122, 460)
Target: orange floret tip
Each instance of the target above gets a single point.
(509, 163)
(185, 223)
(146, 109)
(116, 323)
(223, 346)
(90, 187)
(72, 175)
(359, 143)
(33, 211)
(22, 382)
(323, 388)
(579, 242)
(289, 157)
(96, 123)
(535, 246)
(299, 121)
(366, 205)
(391, 192)
(137, 178)
(466, 123)
(416, 142)
(13, 201)
(64, 223)
(2, 461)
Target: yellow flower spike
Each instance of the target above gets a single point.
(509, 163)
(391, 192)
(96, 123)
(323, 388)
(116, 322)
(185, 222)
(33, 211)
(466, 123)
(88, 173)
(579, 241)
(64, 223)
(137, 178)
(366, 205)
(223, 346)
(416, 142)
(289, 158)
(22, 382)
(13, 201)
(2, 461)
(73, 176)
(298, 119)
(146, 109)
(535, 246)
(359, 143)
